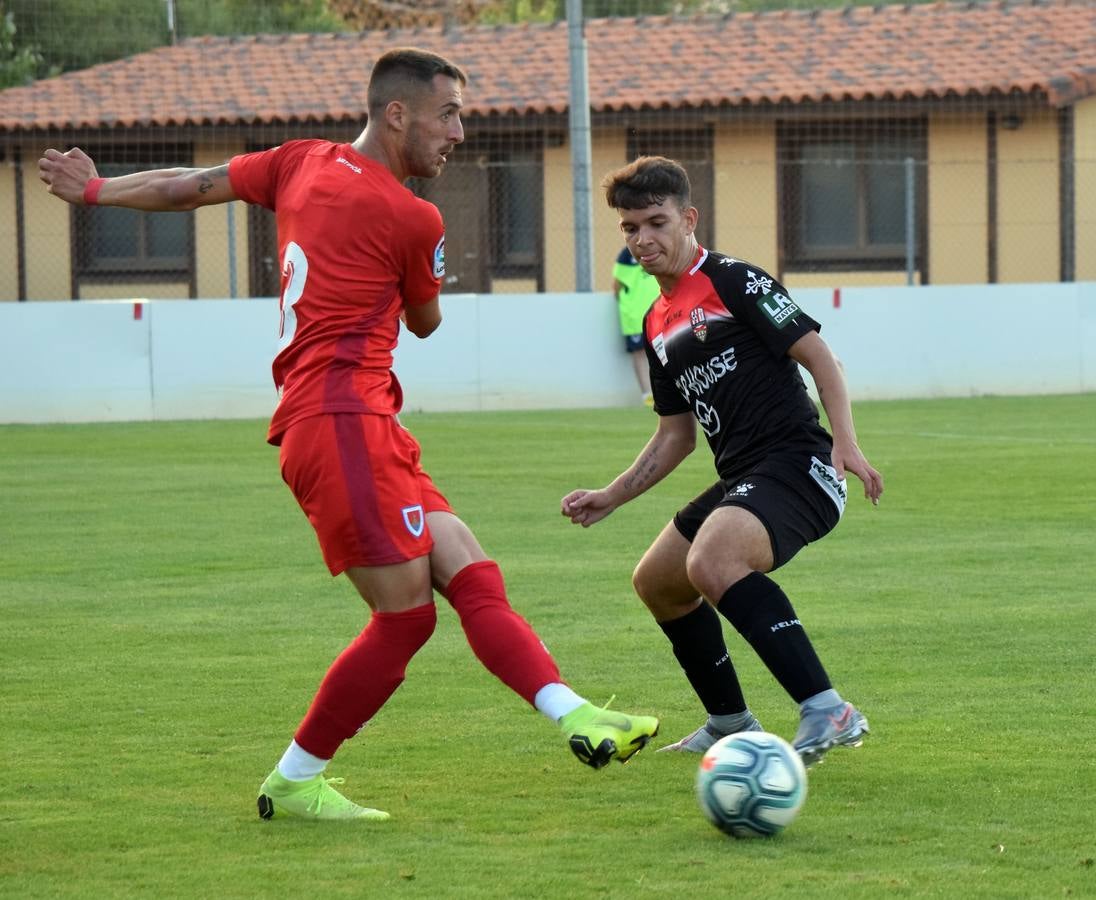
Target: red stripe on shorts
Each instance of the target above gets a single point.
(361, 485)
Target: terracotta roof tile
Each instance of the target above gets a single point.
(788, 56)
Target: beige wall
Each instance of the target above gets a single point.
(1027, 199)
(796, 280)
(48, 247)
(48, 250)
(607, 153)
(513, 286)
(1084, 195)
(559, 220)
(211, 235)
(9, 257)
(745, 194)
(153, 290)
(746, 210)
(610, 153)
(958, 227)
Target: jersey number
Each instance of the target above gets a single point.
(294, 273)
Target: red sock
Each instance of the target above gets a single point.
(502, 640)
(363, 677)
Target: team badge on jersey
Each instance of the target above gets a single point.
(699, 323)
(414, 519)
(439, 258)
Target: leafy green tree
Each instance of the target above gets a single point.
(76, 34)
(39, 38)
(18, 64)
(556, 10)
(255, 17)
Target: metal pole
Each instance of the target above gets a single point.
(579, 118)
(911, 221)
(231, 249)
(1067, 196)
(171, 30)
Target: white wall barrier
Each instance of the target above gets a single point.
(957, 341)
(173, 359)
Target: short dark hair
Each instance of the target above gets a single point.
(647, 181)
(406, 70)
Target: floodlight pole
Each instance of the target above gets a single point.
(169, 8)
(579, 119)
(911, 221)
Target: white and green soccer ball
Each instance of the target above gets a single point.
(751, 784)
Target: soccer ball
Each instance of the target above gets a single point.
(751, 784)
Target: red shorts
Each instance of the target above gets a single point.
(359, 481)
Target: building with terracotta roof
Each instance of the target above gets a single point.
(833, 147)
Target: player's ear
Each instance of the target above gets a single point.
(691, 216)
(395, 114)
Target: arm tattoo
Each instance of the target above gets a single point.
(206, 183)
(646, 466)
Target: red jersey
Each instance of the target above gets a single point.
(355, 247)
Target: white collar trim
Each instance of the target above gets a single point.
(699, 262)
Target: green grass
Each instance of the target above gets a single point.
(166, 617)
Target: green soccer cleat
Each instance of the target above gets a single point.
(313, 799)
(597, 735)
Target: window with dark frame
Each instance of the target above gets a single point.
(492, 201)
(515, 186)
(113, 244)
(843, 194)
(693, 149)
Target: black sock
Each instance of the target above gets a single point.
(697, 639)
(763, 615)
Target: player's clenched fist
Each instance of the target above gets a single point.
(67, 174)
(586, 507)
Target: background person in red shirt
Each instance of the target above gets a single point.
(359, 253)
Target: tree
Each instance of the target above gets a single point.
(255, 17)
(76, 34)
(382, 14)
(374, 15)
(18, 64)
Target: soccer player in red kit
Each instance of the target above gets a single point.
(359, 253)
(724, 345)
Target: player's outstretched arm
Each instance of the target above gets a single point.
(673, 440)
(814, 354)
(72, 176)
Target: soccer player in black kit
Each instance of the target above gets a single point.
(724, 342)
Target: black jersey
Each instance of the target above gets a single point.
(718, 347)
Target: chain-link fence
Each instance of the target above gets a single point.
(873, 145)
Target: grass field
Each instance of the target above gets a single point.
(166, 618)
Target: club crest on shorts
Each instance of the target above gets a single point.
(700, 324)
(414, 519)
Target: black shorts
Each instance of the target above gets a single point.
(633, 343)
(796, 496)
